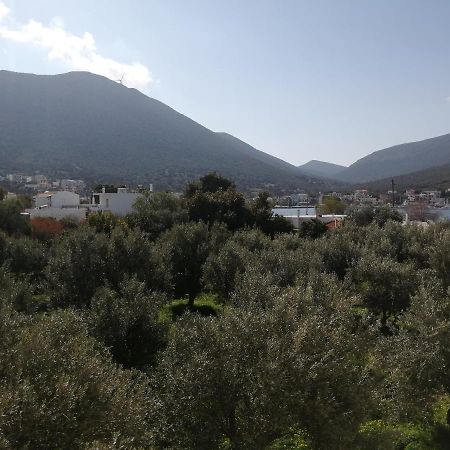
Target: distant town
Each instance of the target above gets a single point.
(75, 199)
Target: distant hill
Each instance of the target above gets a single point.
(84, 125)
(321, 168)
(434, 178)
(399, 160)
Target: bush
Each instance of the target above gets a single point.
(46, 228)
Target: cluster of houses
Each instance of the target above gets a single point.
(432, 198)
(298, 208)
(40, 182)
(358, 197)
(60, 199)
(67, 205)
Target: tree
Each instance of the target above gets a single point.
(415, 361)
(15, 294)
(247, 377)
(127, 323)
(215, 199)
(339, 251)
(332, 205)
(222, 206)
(77, 266)
(83, 261)
(439, 257)
(384, 214)
(11, 221)
(104, 221)
(220, 270)
(265, 220)
(261, 209)
(222, 267)
(157, 212)
(27, 257)
(385, 285)
(365, 215)
(185, 247)
(210, 183)
(131, 254)
(61, 390)
(312, 229)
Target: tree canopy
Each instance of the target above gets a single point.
(171, 330)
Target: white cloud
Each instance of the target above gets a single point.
(4, 11)
(76, 52)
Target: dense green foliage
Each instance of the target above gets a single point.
(163, 332)
(332, 205)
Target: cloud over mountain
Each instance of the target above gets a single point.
(77, 52)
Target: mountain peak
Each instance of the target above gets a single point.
(83, 125)
(321, 168)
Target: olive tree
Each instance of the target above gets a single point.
(60, 389)
(250, 375)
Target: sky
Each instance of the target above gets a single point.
(301, 80)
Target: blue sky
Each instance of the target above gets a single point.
(330, 80)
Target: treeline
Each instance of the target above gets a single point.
(205, 322)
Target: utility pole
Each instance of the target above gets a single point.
(393, 193)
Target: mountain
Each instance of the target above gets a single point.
(399, 160)
(83, 125)
(434, 178)
(321, 168)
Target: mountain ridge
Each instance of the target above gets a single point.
(432, 178)
(321, 168)
(86, 125)
(399, 160)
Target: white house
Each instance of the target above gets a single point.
(57, 199)
(57, 205)
(119, 203)
(65, 204)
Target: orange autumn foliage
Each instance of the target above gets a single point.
(45, 228)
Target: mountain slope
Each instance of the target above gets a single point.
(434, 178)
(248, 150)
(399, 160)
(321, 168)
(84, 125)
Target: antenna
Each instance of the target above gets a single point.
(120, 81)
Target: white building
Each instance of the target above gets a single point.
(119, 203)
(57, 205)
(65, 204)
(72, 185)
(57, 199)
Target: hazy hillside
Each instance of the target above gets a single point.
(84, 125)
(434, 178)
(399, 160)
(321, 168)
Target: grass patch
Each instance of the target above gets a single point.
(204, 305)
